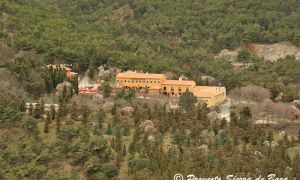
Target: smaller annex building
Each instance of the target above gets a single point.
(155, 84)
(65, 67)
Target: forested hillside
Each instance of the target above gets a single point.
(154, 36)
(127, 136)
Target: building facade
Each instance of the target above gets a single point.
(177, 87)
(211, 95)
(139, 80)
(156, 84)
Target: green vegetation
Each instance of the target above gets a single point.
(158, 36)
(141, 138)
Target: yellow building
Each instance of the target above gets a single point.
(139, 80)
(177, 87)
(211, 95)
(157, 83)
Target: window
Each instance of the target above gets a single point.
(150, 81)
(132, 81)
(180, 93)
(154, 81)
(140, 81)
(187, 89)
(179, 89)
(147, 81)
(172, 88)
(117, 80)
(158, 81)
(125, 81)
(121, 80)
(164, 88)
(136, 81)
(143, 81)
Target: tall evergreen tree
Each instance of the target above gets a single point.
(85, 112)
(47, 122)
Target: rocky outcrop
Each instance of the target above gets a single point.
(127, 110)
(204, 148)
(228, 55)
(275, 51)
(60, 87)
(147, 127)
(270, 144)
(271, 52)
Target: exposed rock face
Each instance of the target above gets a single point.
(271, 144)
(275, 51)
(258, 154)
(203, 148)
(127, 109)
(271, 52)
(147, 127)
(208, 80)
(98, 98)
(229, 55)
(106, 74)
(103, 74)
(60, 86)
(288, 171)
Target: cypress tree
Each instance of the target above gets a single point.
(85, 111)
(109, 129)
(74, 112)
(124, 151)
(47, 122)
(58, 124)
(53, 113)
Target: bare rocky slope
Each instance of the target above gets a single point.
(271, 52)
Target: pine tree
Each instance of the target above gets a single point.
(233, 119)
(85, 111)
(31, 109)
(118, 135)
(47, 122)
(63, 96)
(109, 129)
(270, 136)
(74, 111)
(53, 113)
(124, 152)
(22, 106)
(114, 110)
(245, 116)
(113, 143)
(58, 124)
(296, 166)
(126, 129)
(187, 101)
(100, 121)
(38, 111)
(178, 138)
(106, 88)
